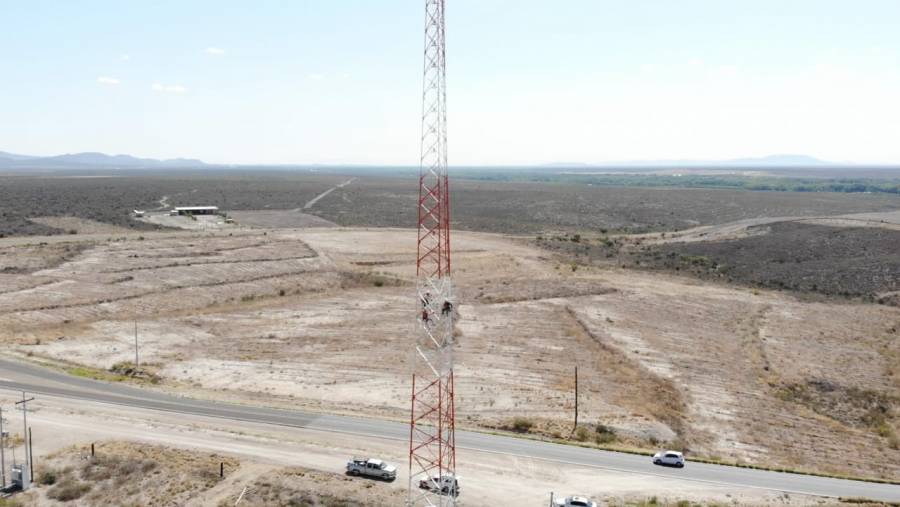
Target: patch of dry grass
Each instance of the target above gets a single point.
(131, 474)
(125, 473)
(646, 392)
(305, 488)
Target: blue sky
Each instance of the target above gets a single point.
(530, 81)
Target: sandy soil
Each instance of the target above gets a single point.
(195, 223)
(75, 225)
(321, 318)
(278, 219)
(749, 227)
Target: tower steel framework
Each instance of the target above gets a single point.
(432, 447)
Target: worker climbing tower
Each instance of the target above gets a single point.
(432, 448)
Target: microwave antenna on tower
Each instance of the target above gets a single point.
(432, 446)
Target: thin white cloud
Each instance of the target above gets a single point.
(315, 76)
(125, 58)
(168, 88)
(695, 62)
(729, 70)
(215, 51)
(106, 80)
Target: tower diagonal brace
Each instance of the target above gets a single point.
(432, 442)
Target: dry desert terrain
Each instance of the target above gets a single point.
(320, 319)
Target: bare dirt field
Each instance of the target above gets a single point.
(279, 219)
(321, 319)
(187, 222)
(75, 225)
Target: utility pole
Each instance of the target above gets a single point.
(26, 470)
(2, 452)
(30, 454)
(576, 399)
(136, 362)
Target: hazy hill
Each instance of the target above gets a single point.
(778, 161)
(90, 160)
(12, 156)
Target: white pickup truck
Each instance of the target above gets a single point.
(573, 501)
(443, 485)
(372, 468)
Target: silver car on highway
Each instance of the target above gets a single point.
(669, 458)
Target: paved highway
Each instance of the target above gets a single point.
(32, 379)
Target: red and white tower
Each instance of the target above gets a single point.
(432, 447)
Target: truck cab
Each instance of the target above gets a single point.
(372, 467)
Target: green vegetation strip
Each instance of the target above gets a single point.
(94, 374)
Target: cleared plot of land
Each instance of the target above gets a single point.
(321, 319)
(74, 225)
(29, 258)
(278, 219)
(134, 277)
(188, 222)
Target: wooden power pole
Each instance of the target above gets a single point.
(576, 399)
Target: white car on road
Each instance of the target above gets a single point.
(574, 501)
(669, 458)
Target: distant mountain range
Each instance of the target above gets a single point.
(94, 160)
(88, 160)
(779, 160)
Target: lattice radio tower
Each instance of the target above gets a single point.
(432, 446)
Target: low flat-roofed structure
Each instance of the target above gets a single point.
(197, 210)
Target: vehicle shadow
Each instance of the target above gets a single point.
(667, 465)
(369, 477)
